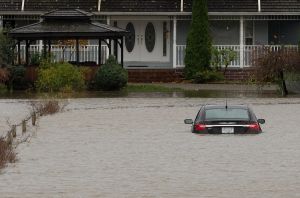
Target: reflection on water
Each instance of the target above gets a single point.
(177, 94)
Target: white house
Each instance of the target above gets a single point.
(159, 28)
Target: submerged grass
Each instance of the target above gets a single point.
(150, 88)
(7, 153)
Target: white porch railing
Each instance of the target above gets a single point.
(90, 53)
(248, 53)
(68, 53)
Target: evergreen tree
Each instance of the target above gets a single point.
(198, 50)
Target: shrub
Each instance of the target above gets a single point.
(3, 88)
(208, 76)
(53, 77)
(7, 154)
(35, 59)
(271, 66)
(222, 58)
(17, 79)
(111, 76)
(199, 44)
(4, 75)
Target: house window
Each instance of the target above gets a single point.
(130, 38)
(150, 37)
(249, 32)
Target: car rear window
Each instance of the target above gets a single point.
(227, 114)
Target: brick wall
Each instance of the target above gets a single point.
(153, 75)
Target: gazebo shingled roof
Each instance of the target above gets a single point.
(68, 24)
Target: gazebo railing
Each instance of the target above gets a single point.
(87, 53)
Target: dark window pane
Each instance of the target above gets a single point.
(130, 38)
(150, 37)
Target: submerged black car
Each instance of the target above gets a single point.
(218, 119)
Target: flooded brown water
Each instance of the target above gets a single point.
(139, 147)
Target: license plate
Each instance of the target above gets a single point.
(227, 130)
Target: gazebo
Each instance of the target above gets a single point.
(68, 24)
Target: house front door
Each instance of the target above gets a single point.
(147, 42)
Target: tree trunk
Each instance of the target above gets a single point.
(283, 85)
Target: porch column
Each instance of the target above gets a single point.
(241, 42)
(174, 41)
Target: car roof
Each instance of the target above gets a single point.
(224, 107)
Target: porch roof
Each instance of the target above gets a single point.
(61, 24)
(132, 6)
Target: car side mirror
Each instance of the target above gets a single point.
(261, 121)
(188, 121)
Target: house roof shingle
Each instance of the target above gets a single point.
(46, 5)
(226, 5)
(151, 5)
(10, 5)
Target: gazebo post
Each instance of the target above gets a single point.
(116, 49)
(49, 48)
(77, 51)
(27, 53)
(44, 49)
(109, 46)
(122, 52)
(19, 52)
(99, 52)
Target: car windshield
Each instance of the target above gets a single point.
(226, 114)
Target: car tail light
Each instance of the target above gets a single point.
(200, 127)
(255, 127)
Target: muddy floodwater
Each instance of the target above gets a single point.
(139, 147)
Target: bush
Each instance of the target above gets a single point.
(35, 59)
(208, 76)
(7, 154)
(3, 88)
(53, 77)
(4, 75)
(111, 76)
(271, 66)
(17, 79)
